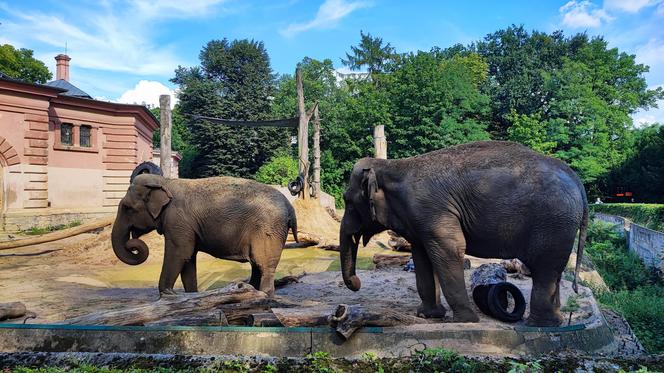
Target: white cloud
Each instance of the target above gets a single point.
(629, 6)
(328, 15)
(175, 8)
(644, 118)
(106, 36)
(651, 53)
(147, 92)
(583, 14)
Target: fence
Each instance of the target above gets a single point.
(646, 243)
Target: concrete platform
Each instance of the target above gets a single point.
(474, 339)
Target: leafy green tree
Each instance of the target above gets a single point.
(370, 53)
(20, 64)
(234, 81)
(435, 103)
(643, 172)
(280, 170)
(531, 131)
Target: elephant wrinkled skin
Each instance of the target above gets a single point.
(226, 217)
(489, 199)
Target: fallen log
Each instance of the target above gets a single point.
(515, 266)
(305, 240)
(238, 313)
(181, 306)
(263, 319)
(389, 260)
(57, 235)
(12, 310)
(304, 316)
(346, 319)
(281, 282)
(216, 318)
(398, 243)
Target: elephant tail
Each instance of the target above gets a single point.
(583, 231)
(292, 221)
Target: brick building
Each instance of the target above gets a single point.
(63, 155)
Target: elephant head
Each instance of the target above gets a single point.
(138, 214)
(365, 215)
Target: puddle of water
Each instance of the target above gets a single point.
(214, 273)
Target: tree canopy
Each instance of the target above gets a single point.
(20, 64)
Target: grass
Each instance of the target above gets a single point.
(35, 231)
(650, 215)
(636, 291)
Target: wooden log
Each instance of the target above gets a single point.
(388, 260)
(316, 183)
(346, 319)
(281, 282)
(304, 316)
(398, 243)
(380, 143)
(263, 319)
(165, 158)
(302, 135)
(182, 306)
(58, 235)
(215, 318)
(515, 266)
(12, 310)
(238, 313)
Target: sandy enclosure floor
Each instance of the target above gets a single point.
(81, 275)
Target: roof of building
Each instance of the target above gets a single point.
(71, 90)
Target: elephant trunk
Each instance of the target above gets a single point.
(129, 251)
(348, 251)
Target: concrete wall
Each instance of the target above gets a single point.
(646, 243)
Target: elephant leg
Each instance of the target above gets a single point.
(545, 299)
(265, 254)
(178, 250)
(427, 285)
(446, 250)
(188, 275)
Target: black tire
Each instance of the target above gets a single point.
(497, 302)
(480, 297)
(145, 168)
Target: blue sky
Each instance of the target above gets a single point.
(126, 50)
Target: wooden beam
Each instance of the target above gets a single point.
(285, 123)
(316, 183)
(302, 135)
(165, 158)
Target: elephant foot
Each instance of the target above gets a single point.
(465, 316)
(437, 312)
(553, 320)
(167, 293)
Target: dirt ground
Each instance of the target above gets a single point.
(80, 275)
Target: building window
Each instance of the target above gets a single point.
(67, 134)
(85, 136)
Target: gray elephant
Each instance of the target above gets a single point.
(226, 217)
(489, 199)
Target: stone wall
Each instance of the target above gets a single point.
(646, 243)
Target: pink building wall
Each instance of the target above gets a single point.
(42, 177)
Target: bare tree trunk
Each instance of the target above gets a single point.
(380, 142)
(302, 136)
(57, 235)
(316, 185)
(304, 316)
(165, 158)
(181, 307)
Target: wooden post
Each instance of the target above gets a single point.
(165, 158)
(380, 143)
(302, 135)
(316, 186)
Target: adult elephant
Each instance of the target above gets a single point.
(489, 199)
(226, 217)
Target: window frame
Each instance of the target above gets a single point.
(76, 136)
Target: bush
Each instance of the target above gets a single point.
(644, 310)
(280, 170)
(637, 292)
(647, 214)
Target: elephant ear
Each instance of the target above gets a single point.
(370, 185)
(158, 198)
